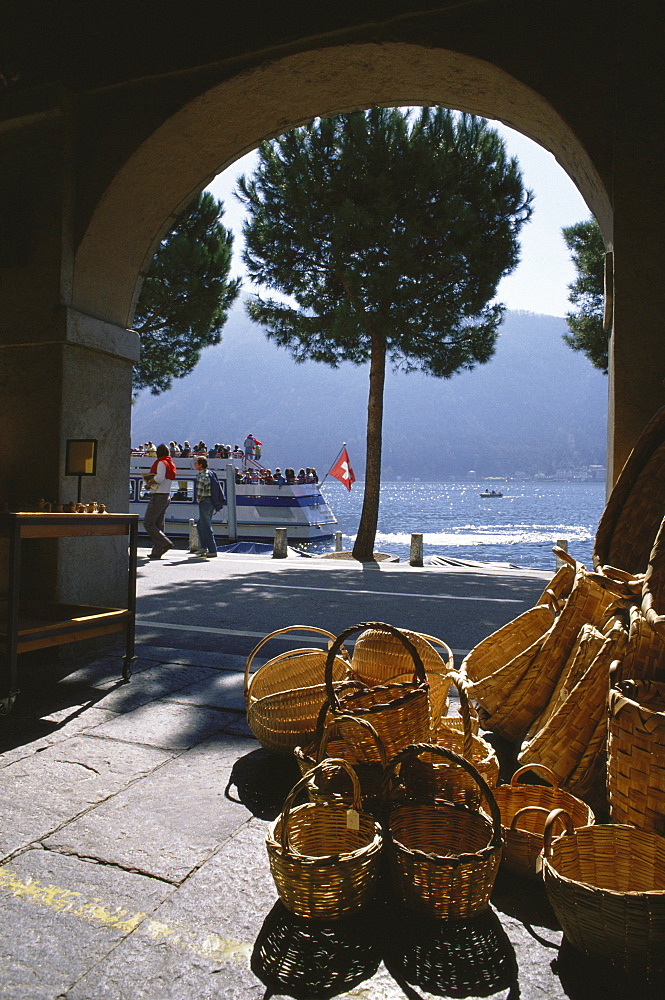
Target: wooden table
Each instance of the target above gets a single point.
(32, 624)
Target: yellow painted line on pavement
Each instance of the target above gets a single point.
(205, 944)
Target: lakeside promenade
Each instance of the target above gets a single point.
(134, 815)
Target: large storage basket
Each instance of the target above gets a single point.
(644, 657)
(324, 858)
(634, 510)
(636, 754)
(380, 658)
(284, 696)
(398, 710)
(429, 776)
(362, 748)
(443, 858)
(606, 884)
(524, 810)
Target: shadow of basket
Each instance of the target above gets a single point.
(304, 959)
(452, 958)
(262, 781)
(587, 977)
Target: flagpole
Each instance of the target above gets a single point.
(333, 464)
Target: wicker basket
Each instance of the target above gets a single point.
(634, 510)
(443, 858)
(653, 590)
(636, 755)
(644, 658)
(524, 810)
(284, 696)
(365, 753)
(428, 776)
(325, 859)
(380, 658)
(606, 884)
(398, 711)
(519, 703)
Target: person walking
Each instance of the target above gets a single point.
(159, 479)
(249, 448)
(206, 509)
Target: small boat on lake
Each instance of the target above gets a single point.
(491, 493)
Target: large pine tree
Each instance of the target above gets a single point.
(587, 292)
(389, 235)
(185, 297)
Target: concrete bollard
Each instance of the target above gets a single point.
(563, 544)
(338, 541)
(279, 550)
(416, 553)
(194, 543)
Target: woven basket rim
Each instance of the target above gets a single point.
(374, 843)
(605, 830)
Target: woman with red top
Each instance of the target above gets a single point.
(160, 479)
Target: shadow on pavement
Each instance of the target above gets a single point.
(262, 781)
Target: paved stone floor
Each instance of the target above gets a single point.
(133, 865)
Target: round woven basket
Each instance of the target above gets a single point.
(325, 859)
(398, 711)
(428, 776)
(606, 885)
(362, 748)
(524, 810)
(380, 658)
(443, 858)
(285, 695)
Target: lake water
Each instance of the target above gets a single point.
(520, 527)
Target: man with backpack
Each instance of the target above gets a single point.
(210, 498)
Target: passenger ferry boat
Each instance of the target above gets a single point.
(259, 509)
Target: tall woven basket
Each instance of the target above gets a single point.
(606, 885)
(285, 695)
(443, 858)
(429, 776)
(636, 754)
(380, 658)
(653, 588)
(398, 710)
(524, 810)
(325, 859)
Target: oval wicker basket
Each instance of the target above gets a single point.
(398, 711)
(380, 658)
(325, 859)
(606, 885)
(524, 810)
(362, 748)
(443, 858)
(285, 695)
(428, 776)
(636, 754)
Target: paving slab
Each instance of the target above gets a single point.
(41, 792)
(215, 659)
(61, 916)
(151, 684)
(218, 690)
(165, 825)
(165, 724)
(28, 739)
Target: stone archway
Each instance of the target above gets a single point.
(217, 127)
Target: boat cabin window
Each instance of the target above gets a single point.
(133, 488)
(183, 491)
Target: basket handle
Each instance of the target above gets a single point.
(548, 833)
(415, 749)
(283, 631)
(332, 726)
(617, 581)
(527, 809)
(449, 655)
(419, 669)
(304, 783)
(540, 769)
(465, 712)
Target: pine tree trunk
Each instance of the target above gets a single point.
(363, 550)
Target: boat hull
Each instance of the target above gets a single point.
(301, 509)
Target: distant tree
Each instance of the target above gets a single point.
(587, 292)
(185, 297)
(389, 234)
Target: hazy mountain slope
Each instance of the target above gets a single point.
(535, 407)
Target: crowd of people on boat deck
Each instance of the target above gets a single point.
(252, 472)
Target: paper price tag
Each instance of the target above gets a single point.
(352, 820)
(539, 863)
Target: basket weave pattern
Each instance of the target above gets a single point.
(636, 758)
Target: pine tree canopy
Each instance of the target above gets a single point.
(376, 225)
(587, 292)
(185, 297)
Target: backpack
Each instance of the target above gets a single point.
(216, 492)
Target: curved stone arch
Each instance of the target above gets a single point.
(216, 128)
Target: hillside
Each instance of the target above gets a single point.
(536, 407)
